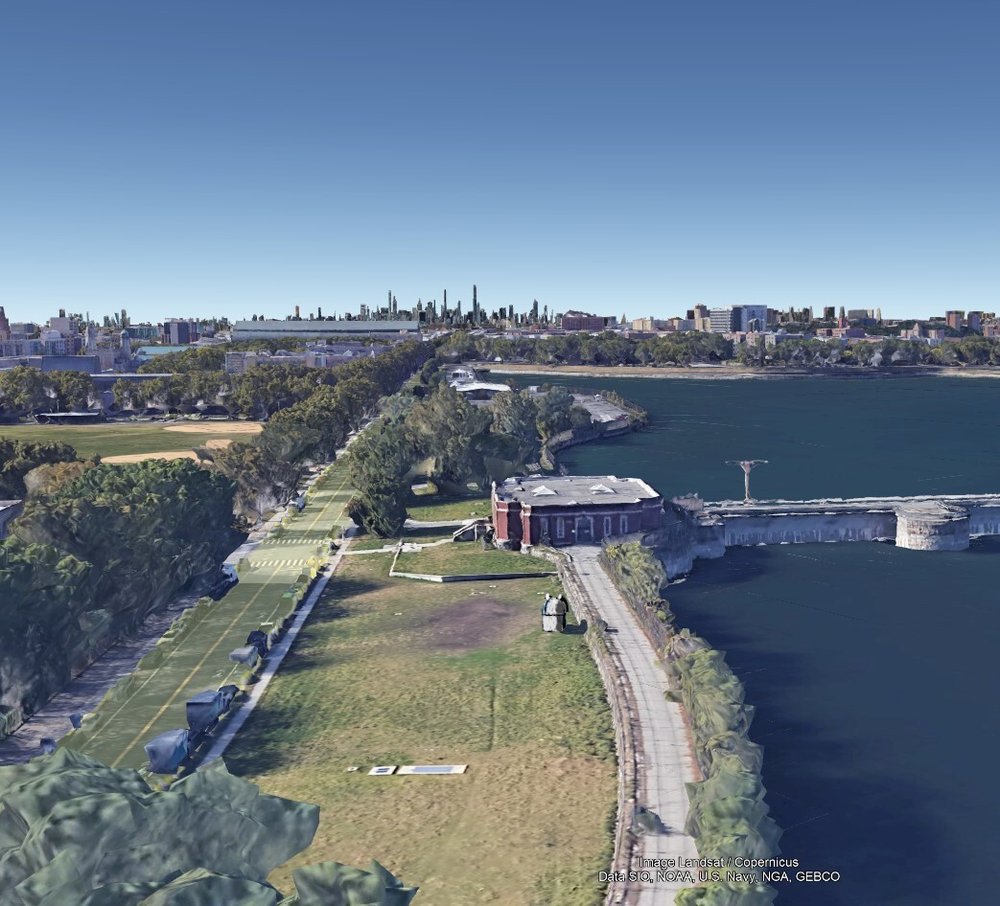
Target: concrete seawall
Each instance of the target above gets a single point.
(695, 529)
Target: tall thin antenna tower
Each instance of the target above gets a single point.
(747, 465)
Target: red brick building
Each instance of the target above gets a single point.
(573, 509)
(578, 320)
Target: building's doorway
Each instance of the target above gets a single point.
(584, 529)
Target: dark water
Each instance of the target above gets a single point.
(874, 670)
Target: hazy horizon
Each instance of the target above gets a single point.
(238, 159)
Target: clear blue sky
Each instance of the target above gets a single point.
(194, 158)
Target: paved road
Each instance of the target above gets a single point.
(665, 761)
(158, 703)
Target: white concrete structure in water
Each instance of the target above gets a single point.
(696, 529)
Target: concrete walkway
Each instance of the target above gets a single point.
(88, 688)
(275, 656)
(664, 761)
(85, 691)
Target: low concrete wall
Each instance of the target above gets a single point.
(806, 528)
(693, 529)
(492, 577)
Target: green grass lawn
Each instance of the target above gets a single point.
(386, 672)
(415, 535)
(124, 439)
(438, 509)
(467, 558)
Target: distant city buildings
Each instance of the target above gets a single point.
(276, 330)
(180, 332)
(578, 320)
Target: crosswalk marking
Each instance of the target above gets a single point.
(277, 563)
(271, 541)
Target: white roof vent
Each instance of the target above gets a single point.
(542, 491)
(601, 489)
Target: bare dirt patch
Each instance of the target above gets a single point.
(478, 622)
(162, 454)
(219, 427)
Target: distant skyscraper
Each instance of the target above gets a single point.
(4, 326)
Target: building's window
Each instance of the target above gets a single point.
(543, 527)
(607, 526)
(560, 527)
(624, 525)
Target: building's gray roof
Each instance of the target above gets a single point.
(471, 386)
(250, 329)
(575, 490)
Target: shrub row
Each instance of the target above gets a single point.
(727, 815)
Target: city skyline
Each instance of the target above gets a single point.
(243, 159)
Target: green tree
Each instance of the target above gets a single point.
(18, 458)
(516, 414)
(72, 389)
(22, 390)
(554, 410)
(379, 461)
(446, 427)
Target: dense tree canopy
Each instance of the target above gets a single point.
(93, 554)
(445, 426)
(18, 458)
(212, 839)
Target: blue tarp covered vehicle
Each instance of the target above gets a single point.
(205, 708)
(167, 751)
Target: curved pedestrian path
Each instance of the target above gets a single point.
(664, 760)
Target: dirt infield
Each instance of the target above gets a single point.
(479, 622)
(219, 427)
(214, 443)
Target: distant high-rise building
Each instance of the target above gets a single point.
(4, 326)
(578, 320)
(974, 321)
(955, 319)
(829, 313)
(724, 320)
(180, 332)
(752, 318)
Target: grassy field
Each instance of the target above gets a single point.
(130, 439)
(387, 673)
(438, 509)
(414, 535)
(469, 559)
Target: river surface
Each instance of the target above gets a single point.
(873, 669)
